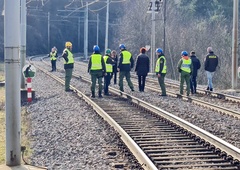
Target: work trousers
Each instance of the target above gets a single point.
(94, 77)
(141, 83)
(68, 76)
(185, 76)
(107, 79)
(126, 74)
(53, 62)
(162, 84)
(193, 84)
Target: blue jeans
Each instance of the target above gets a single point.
(209, 78)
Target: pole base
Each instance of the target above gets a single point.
(24, 95)
(20, 167)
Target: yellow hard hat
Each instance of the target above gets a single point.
(68, 44)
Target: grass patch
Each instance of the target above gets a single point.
(2, 71)
(2, 125)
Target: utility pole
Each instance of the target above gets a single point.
(164, 26)
(235, 44)
(153, 37)
(97, 27)
(23, 39)
(86, 32)
(12, 76)
(107, 24)
(79, 21)
(48, 30)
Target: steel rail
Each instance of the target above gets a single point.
(224, 146)
(143, 159)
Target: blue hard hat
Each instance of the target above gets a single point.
(185, 53)
(96, 48)
(122, 46)
(159, 50)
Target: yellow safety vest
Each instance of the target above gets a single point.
(70, 57)
(126, 57)
(157, 68)
(186, 64)
(96, 60)
(53, 55)
(109, 67)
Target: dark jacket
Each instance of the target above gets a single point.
(125, 67)
(102, 63)
(142, 65)
(115, 65)
(196, 65)
(211, 62)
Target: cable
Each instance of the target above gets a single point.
(69, 4)
(82, 7)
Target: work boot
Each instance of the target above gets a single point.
(207, 88)
(100, 94)
(93, 94)
(211, 89)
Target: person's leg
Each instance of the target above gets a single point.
(209, 78)
(54, 65)
(187, 78)
(68, 76)
(108, 79)
(99, 77)
(121, 76)
(181, 82)
(194, 82)
(139, 83)
(143, 82)
(93, 85)
(129, 80)
(162, 84)
(191, 85)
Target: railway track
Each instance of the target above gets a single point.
(203, 98)
(160, 140)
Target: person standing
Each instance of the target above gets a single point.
(210, 65)
(97, 69)
(185, 69)
(161, 70)
(193, 79)
(68, 65)
(53, 57)
(109, 70)
(142, 68)
(115, 58)
(125, 65)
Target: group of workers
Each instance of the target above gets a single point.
(108, 65)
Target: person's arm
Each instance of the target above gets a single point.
(65, 55)
(206, 62)
(161, 65)
(179, 65)
(136, 66)
(103, 65)
(120, 60)
(89, 64)
(132, 62)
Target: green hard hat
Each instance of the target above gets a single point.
(108, 51)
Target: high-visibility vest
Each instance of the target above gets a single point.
(157, 68)
(53, 55)
(126, 57)
(109, 67)
(96, 60)
(186, 64)
(70, 57)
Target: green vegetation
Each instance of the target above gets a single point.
(1, 71)
(2, 125)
